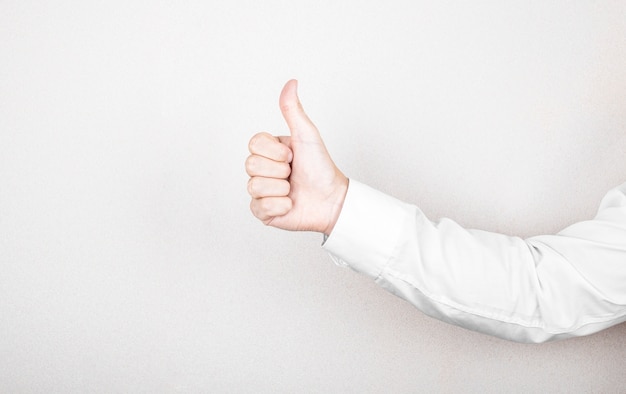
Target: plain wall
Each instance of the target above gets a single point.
(129, 261)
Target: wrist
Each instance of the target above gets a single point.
(337, 203)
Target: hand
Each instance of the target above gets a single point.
(294, 183)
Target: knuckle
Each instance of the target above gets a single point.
(255, 187)
(285, 107)
(256, 142)
(267, 204)
(251, 187)
(251, 164)
(253, 207)
(256, 207)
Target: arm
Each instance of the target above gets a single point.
(543, 288)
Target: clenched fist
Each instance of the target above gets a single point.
(294, 183)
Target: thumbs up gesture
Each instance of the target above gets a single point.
(294, 183)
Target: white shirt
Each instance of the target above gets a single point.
(534, 290)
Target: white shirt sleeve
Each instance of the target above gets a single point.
(543, 288)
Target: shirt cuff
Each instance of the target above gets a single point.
(367, 230)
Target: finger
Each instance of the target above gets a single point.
(262, 166)
(266, 145)
(269, 207)
(299, 123)
(259, 187)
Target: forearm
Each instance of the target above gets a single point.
(523, 290)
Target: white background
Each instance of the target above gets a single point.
(129, 261)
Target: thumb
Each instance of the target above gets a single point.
(298, 122)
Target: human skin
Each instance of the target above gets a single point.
(294, 184)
